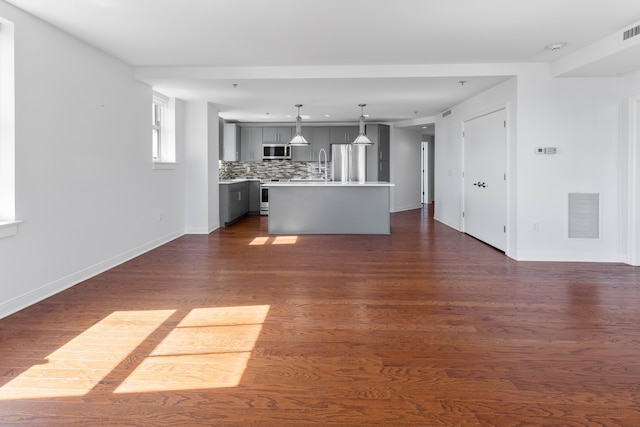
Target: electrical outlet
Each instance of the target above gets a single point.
(536, 226)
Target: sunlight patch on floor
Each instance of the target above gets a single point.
(79, 365)
(210, 348)
(285, 240)
(279, 240)
(259, 241)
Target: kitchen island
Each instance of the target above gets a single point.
(329, 208)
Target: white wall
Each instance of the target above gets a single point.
(405, 166)
(448, 153)
(583, 118)
(202, 194)
(85, 187)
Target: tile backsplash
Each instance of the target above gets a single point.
(272, 169)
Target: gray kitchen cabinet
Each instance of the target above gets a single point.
(321, 140)
(343, 134)
(303, 153)
(318, 137)
(230, 142)
(234, 202)
(251, 144)
(254, 197)
(378, 153)
(277, 135)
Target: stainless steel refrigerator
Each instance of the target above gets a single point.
(348, 163)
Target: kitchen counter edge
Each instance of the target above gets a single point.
(329, 184)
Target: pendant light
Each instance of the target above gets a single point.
(298, 139)
(362, 139)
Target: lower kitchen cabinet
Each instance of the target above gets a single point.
(254, 197)
(234, 202)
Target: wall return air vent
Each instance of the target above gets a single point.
(584, 215)
(631, 32)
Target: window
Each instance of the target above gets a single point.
(8, 223)
(163, 149)
(157, 115)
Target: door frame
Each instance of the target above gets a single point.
(424, 183)
(486, 112)
(633, 183)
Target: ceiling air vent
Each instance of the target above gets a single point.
(632, 32)
(446, 113)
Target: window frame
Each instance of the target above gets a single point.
(163, 151)
(8, 222)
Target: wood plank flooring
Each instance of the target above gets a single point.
(425, 327)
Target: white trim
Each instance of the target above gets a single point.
(633, 212)
(448, 224)
(160, 98)
(164, 165)
(405, 208)
(9, 228)
(36, 295)
(545, 256)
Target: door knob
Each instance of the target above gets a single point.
(483, 185)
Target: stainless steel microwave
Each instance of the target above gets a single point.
(276, 151)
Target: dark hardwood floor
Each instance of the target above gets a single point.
(425, 327)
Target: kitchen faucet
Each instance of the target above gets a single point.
(320, 163)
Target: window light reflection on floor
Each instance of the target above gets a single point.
(78, 366)
(258, 241)
(279, 240)
(285, 240)
(209, 348)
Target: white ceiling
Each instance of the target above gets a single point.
(332, 55)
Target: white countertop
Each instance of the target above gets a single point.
(235, 180)
(328, 184)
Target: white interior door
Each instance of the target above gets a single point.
(485, 189)
(425, 172)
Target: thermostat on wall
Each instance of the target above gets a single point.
(545, 150)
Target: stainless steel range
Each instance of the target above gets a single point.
(264, 194)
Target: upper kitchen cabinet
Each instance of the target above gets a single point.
(319, 137)
(230, 143)
(304, 153)
(277, 135)
(378, 153)
(251, 144)
(343, 134)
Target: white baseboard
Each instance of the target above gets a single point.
(455, 227)
(36, 295)
(569, 257)
(405, 208)
(197, 230)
